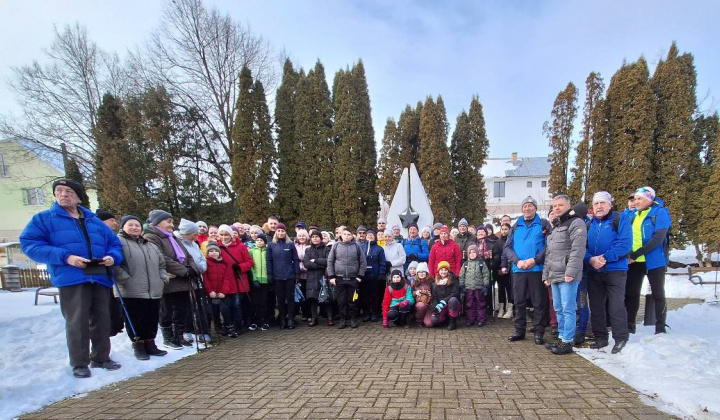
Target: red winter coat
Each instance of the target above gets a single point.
(450, 252)
(237, 253)
(219, 277)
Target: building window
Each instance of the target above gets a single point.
(3, 166)
(499, 189)
(543, 184)
(34, 197)
(529, 184)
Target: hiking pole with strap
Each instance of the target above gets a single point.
(122, 303)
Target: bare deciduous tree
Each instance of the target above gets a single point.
(197, 54)
(60, 98)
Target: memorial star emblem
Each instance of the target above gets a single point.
(408, 218)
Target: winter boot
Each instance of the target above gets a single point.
(169, 339)
(517, 336)
(139, 350)
(231, 331)
(152, 350)
(353, 323)
(563, 348)
(501, 312)
(178, 335)
(539, 340)
(579, 338)
(342, 324)
(313, 322)
(553, 343)
(452, 325)
(600, 343)
(510, 312)
(619, 345)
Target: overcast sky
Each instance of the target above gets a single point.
(515, 55)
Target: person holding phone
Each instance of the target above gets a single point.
(78, 248)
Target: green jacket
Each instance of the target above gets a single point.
(474, 274)
(259, 270)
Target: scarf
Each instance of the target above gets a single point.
(179, 254)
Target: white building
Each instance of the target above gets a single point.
(508, 181)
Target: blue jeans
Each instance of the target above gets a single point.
(582, 303)
(564, 296)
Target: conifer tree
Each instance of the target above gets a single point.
(355, 196)
(674, 85)
(389, 167)
(601, 156)
(409, 135)
(434, 159)
(287, 198)
(253, 151)
(108, 132)
(578, 190)
(631, 125)
(710, 225)
(704, 133)
(72, 171)
(313, 137)
(559, 134)
(468, 152)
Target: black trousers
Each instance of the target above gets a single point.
(656, 277)
(285, 294)
(144, 314)
(85, 308)
(173, 309)
(260, 297)
(371, 295)
(504, 289)
(345, 289)
(529, 286)
(606, 293)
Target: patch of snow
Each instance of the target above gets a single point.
(34, 363)
(506, 372)
(676, 372)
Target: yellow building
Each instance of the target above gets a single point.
(27, 171)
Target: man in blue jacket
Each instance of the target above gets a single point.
(415, 247)
(609, 241)
(650, 226)
(525, 250)
(77, 248)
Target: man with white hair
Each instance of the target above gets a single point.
(651, 223)
(609, 241)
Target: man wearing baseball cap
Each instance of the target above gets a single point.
(78, 249)
(525, 250)
(651, 223)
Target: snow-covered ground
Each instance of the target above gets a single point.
(33, 358)
(678, 372)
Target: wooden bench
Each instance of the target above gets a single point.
(698, 280)
(47, 291)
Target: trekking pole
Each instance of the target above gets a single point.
(122, 303)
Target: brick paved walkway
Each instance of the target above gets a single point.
(412, 373)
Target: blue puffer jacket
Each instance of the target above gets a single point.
(660, 215)
(525, 242)
(283, 262)
(416, 246)
(53, 235)
(604, 240)
(375, 257)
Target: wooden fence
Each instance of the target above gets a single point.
(30, 277)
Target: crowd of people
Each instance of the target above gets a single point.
(200, 281)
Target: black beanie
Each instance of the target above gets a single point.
(74, 185)
(263, 237)
(128, 218)
(104, 214)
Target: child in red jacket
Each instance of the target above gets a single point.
(398, 300)
(222, 289)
